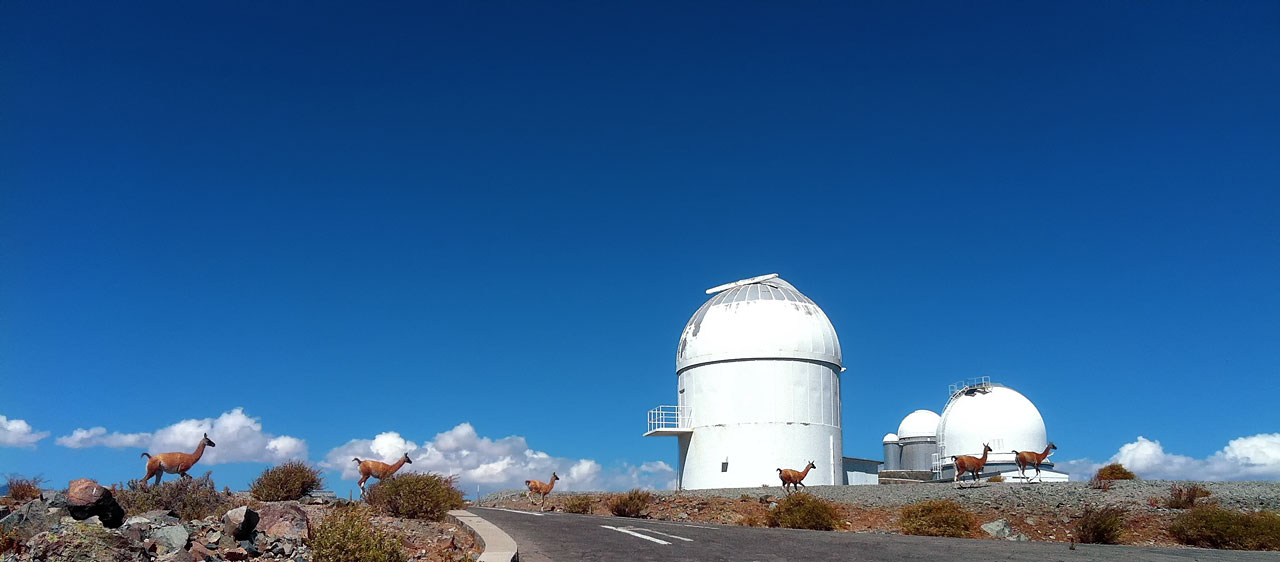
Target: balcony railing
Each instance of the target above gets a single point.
(669, 417)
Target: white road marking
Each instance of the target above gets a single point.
(679, 525)
(635, 534)
(518, 511)
(659, 533)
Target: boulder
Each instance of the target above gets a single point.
(84, 543)
(170, 539)
(86, 498)
(284, 519)
(32, 518)
(240, 523)
(161, 516)
(999, 528)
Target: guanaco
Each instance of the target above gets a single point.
(174, 463)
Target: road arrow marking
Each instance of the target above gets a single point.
(517, 511)
(660, 533)
(635, 534)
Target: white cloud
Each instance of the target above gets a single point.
(18, 433)
(494, 463)
(237, 438)
(98, 437)
(1256, 457)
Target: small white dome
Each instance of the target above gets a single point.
(759, 318)
(995, 415)
(890, 438)
(920, 423)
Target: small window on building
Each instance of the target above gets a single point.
(724, 466)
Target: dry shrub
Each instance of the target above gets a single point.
(579, 504)
(416, 496)
(996, 478)
(630, 504)
(1100, 484)
(751, 520)
(190, 498)
(348, 535)
(289, 481)
(23, 489)
(938, 518)
(1214, 527)
(1185, 497)
(1115, 471)
(804, 511)
(1100, 525)
(12, 541)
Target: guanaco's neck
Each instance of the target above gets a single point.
(984, 456)
(398, 464)
(1045, 454)
(551, 483)
(806, 471)
(199, 452)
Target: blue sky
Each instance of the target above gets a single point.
(483, 226)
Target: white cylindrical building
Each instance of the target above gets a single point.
(758, 374)
(892, 452)
(918, 440)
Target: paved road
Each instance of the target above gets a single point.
(564, 537)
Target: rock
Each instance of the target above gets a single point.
(84, 543)
(1020, 537)
(171, 538)
(32, 518)
(162, 516)
(240, 523)
(179, 556)
(214, 536)
(200, 552)
(86, 498)
(251, 548)
(284, 519)
(137, 521)
(236, 554)
(998, 528)
(54, 499)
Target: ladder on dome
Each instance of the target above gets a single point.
(970, 385)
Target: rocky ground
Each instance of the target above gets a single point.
(1040, 512)
(265, 531)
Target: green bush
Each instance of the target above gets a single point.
(1185, 497)
(804, 511)
(190, 498)
(1102, 525)
(23, 489)
(579, 504)
(289, 481)
(938, 518)
(347, 535)
(630, 504)
(1115, 471)
(1215, 527)
(416, 496)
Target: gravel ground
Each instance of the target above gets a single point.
(1249, 496)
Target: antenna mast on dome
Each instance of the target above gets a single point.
(741, 282)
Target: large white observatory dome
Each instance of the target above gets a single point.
(758, 318)
(920, 423)
(997, 415)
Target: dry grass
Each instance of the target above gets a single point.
(289, 481)
(348, 535)
(1115, 471)
(23, 489)
(1215, 527)
(996, 478)
(804, 511)
(416, 496)
(630, 504)
(1103, 525)
(190, 498)
(938, 518)
(579, 504)
(1184, 497)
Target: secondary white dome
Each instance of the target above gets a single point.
(759, 318)
(995, 415)
(920, 423)
(890, 438)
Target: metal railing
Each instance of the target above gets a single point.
(981, 384)
(670, 417)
